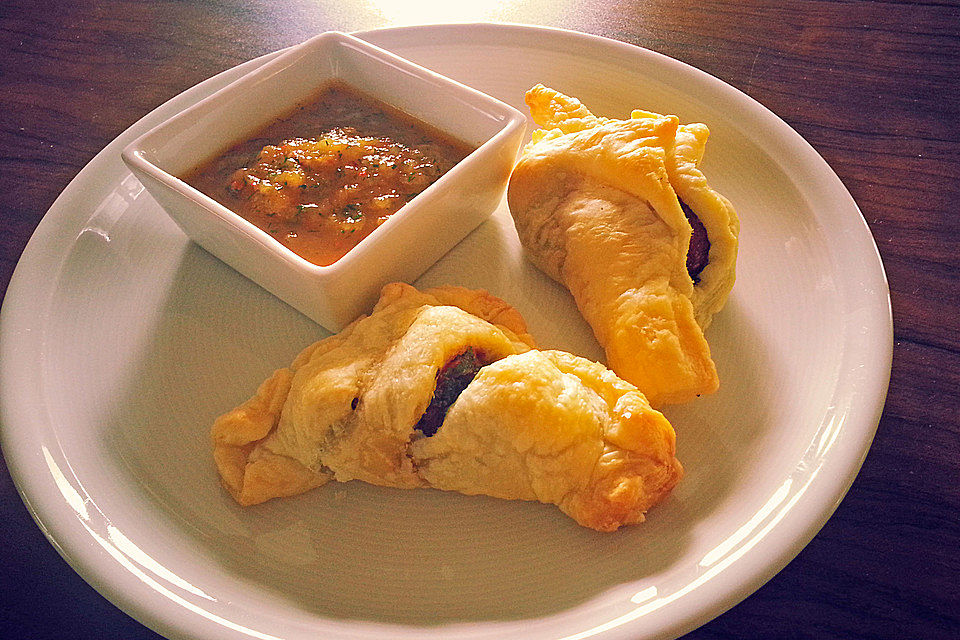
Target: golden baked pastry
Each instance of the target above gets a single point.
(595, 204)
(443, 389)
(715, 269)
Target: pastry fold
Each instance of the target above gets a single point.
(444, 389)
(715, 280)
(595, 204)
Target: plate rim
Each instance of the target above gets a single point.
(16, 330)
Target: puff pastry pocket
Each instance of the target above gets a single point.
(442, 389)
(595, 206)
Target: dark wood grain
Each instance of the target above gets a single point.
(872, 85)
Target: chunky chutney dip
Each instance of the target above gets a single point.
(324, 177)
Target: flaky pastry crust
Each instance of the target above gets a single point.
(595, 205)
(530, 425)
(720, 220)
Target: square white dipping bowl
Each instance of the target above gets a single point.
(402, 247)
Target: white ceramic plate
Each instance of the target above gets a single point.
(121, 341)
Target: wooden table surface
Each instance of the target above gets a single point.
(873, 86)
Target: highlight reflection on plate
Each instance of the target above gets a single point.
(121, 341)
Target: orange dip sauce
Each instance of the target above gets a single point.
(323, 178)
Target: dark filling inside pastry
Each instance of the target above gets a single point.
(452, 379)
(698, 254)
